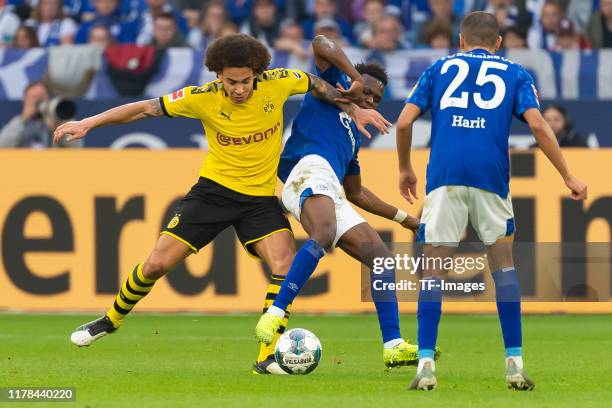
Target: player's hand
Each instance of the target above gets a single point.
(363, 117)
(407, 185)
(411, 223)
(577, 187)
(354, 93)
(73, 130)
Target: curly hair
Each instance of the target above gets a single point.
(237, 51)
(373, 69)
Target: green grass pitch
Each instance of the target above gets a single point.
(204, 361)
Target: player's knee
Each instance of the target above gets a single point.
(324, 233)
(154, 268)
(280, 264)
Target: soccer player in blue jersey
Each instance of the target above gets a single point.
(472, 96)
(318, 159)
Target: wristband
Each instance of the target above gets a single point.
(400, 216)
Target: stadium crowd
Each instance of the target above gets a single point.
(289, 25)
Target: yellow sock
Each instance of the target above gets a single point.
(136, 287)
(265, 350)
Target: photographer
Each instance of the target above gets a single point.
(39, 117)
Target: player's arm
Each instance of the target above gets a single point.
(327, 53)
(407, 176)
(321, 89)
(365, 199)
(121, 114)
(545, 137)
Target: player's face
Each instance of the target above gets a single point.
(238, 83)
(373, 90)
(555, 119)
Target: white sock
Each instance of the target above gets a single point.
(276, 311)
(518, 360)
(422, 362)
(392, 343)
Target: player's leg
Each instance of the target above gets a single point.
(310, 193)
(444, 219)
(167, 253)
(493, 219)
(364, 244)
(199, 217)
(318, 219)
(277, 250)
(265, 234)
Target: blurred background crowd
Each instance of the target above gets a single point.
(60, 59)
(384, 25)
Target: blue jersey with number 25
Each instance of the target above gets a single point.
(472, 96)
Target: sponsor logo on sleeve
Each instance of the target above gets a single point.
(176, 95)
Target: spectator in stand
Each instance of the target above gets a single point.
(166, 33)
(107, 14)
(33, 128)
(9, 23)
(562, 125)
(505, 12)
(214, 17)
(52, 27)
(514, 38)
(569, 39)
(228, 28)
(544, 35)
(146, 21)
(330, 29)
(263, 23)
(440, 10)
(327, 9)
(373, 10)
(388, 35)
(438, 34)
(579, 11)
(599, 29)
(25, 38)
(192, 11)
(292, 40)
(100, 37)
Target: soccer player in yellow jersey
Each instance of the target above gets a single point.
(242, 115)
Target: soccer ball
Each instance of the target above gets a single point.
(298, 351)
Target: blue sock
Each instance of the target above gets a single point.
(428, 316)
(508, 296)
(386, 305)
(305, 262)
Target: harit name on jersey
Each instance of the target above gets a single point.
(460, 121)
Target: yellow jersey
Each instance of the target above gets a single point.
(245, 140)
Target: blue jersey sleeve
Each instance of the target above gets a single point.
(421, 93)
(334, 76)
(526, 96)
(353, 167)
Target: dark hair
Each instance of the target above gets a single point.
(561, 109)
(32, 36)
(518, 31)
(237, 51)
(435, 28)
(555, 3)
(373, 69)
(480, 28)
(166, 16)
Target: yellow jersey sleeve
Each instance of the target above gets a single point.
(189, 102)
(290, 81)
